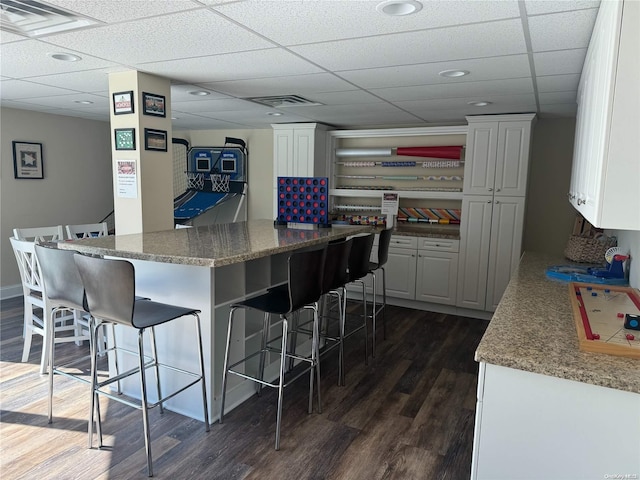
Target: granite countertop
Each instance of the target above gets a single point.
(533, 330)
(211, 245)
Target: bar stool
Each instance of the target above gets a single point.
(358, 270)
(63, 290)
(384, 239)
(110, 293)
(35, 297)
(303, 291)
(86, 230)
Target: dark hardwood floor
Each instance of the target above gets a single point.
(409, 414)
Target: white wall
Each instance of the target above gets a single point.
(629, 242)
(549, 217)
(77, 185)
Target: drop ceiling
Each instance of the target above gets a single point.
(366, 69)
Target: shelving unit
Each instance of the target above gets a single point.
(365, 163)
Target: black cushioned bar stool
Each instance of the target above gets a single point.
(303, 290)
(358, 269)
(384, 239)
(110, 292)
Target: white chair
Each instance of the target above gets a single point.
(40, 234)
(87, 230)
(35, 297)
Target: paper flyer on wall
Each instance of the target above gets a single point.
(127, 180)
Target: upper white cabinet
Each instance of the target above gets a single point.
(606, 170)
(299, 150)
(500, 153)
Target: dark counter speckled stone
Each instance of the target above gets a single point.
(533, 330)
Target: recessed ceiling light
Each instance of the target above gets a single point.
(480, 103)
(200, 93)
(397, 8)
(453, 73)
(274, 114)
(84, 102)
(65, 57)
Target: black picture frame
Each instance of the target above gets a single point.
(155, 140)
(125, 138)
(28, 162)
(123, 103)
(154, 105)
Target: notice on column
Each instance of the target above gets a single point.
(389, 203)
(127, 181)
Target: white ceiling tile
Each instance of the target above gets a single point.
(560, 62)
(351, 97)
(234, 66)
(29, 59)
(459, 115)
(69, 101)
(299, 84)
(512, 66)
(180, 93)
(558, 83)
(537, 7)
(86, 81)
(17, 89)
(470, 41)
(206, 105)
(557, 97)
(146, 40)
(29, 106)
(420, 107)
(259, 117)
(122, 10)
(288, 22)
(198, 122)
(466, 89)
(558, 110)
(562, 30)
(8, 37)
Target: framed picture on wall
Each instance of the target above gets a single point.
(125, 138)
(153, 104)
(27, 160)
(123, 103)
(155, 140)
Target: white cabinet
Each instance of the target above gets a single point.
(401, 273)
(437, 271)
(493, 204)
(606, 171)
(299, 150)
(498, 156)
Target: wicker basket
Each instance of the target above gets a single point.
(588, 249)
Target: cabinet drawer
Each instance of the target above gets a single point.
(402, 241)
(439, 244)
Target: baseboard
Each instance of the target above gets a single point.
(10, 292)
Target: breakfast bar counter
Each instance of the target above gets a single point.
(207, 268)
(546, 409)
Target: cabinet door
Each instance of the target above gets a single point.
(507, 223)
(480, 162)
(436, 277)
(512, 160)
(475, 237)
(401, 273)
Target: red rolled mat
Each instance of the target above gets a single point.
(452, 153)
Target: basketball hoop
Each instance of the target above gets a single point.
(195, 180)
(220, 182)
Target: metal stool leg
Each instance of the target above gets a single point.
(384, 303)
(281, 380)
(204, 385)
(152, 334)
(373, 317)
(225, 370)
(263, 345)
(145, 412)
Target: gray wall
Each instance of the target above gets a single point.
(550, 216)
(77, 185)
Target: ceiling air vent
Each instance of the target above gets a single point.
(32, 18)
(283, 101)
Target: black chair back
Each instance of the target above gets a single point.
(359, 257)
(110, 288)
(336, 265)
(383, 246)
(305, 277)
(62, 282)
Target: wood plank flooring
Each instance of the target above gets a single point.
(409, 414)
